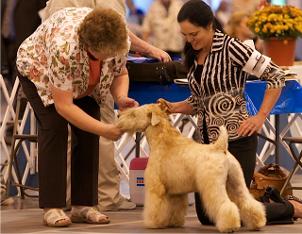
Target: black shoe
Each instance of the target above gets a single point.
(272, 194)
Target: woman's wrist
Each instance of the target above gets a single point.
(263, 113)
(120, 97)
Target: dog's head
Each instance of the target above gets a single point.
(139, 118)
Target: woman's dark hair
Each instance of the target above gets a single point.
(198, 13)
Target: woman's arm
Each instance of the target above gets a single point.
(275, 80)
(182, 107)
(177, 107)
(271, 96)
(255, 123)
(260, 66)
(120, 85)
(68, 110)
(274, 77)
(145, 48)
(119, 90)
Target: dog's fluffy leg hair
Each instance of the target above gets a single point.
(217, 204)
(156, 207)
(251, 211)
(177, 208)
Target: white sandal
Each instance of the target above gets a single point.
(88, 215)
(56, 218)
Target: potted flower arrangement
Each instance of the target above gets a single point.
(278, 26)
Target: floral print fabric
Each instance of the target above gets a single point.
(53, 55)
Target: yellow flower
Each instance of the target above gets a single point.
(277, 21)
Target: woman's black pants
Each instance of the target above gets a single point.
(52, 153)
(244, 150)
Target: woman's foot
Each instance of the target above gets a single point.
(88, 214)
(54, 217)
(297, 204)
(122, 204)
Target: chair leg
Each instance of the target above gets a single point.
(10, 166)
(294, 170)
(289, 178)
(17, 169)
(12, 152)
(13, 160)
(22, 187)
(13, 163)
(297, 159)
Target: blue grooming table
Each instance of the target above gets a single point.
(290, 100)
(146, 93)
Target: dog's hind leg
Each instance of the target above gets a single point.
(217, 204)
(177, 208)
(251, 211)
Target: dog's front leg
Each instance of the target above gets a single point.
(165, 210)
(156, 206)
(177, 208)
(156, 213)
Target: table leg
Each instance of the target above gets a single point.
(277, 139)
(138, 136)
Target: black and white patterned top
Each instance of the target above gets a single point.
(218, 94)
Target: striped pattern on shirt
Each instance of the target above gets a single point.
(218, 95)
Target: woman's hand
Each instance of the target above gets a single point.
(251, 125)
(176, 107)
(124, 102)
(112, 132)
(159, 54)
(166, 105)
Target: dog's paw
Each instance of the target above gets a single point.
(177, 222)
(257, 218)
(228, 218)
(253, 215)
(229, 226)
(155, 223)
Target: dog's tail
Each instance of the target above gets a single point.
(222, 141)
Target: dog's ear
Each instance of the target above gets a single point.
(155, 119)
(164, 105)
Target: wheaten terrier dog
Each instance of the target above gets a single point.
(178, 165)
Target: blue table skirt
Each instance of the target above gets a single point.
(290, 100)
(146, 93)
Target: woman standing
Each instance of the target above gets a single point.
(218, 68)
(67, 68)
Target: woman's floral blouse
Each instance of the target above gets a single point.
(53, 55)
